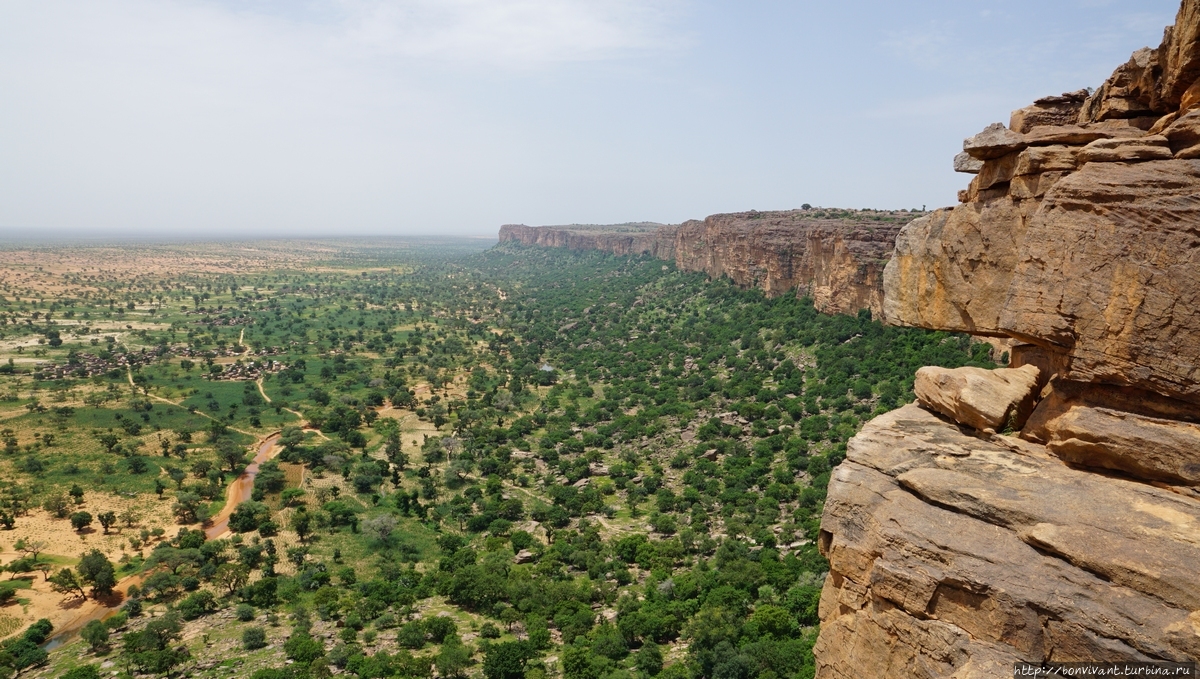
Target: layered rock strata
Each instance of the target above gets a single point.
(644, 238)
(954, 551)
(837, 260)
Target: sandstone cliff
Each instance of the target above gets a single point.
(643, 238)
(954, 550)
(836, 257)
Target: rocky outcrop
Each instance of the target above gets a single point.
(1080, 238)
(954, 555)
(836, 257)
(983, 399)
(955, 552)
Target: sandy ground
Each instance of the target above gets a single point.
(64, 546)
(412, 430)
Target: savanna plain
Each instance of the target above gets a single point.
(416, 458)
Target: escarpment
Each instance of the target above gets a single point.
(835, 256)
(642, 238)
(1073, 534)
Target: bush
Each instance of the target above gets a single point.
(117, 620)
(83, 672)
(196, 605)
(650, 659)
(303, 648)
(411, 635)
(254, 638)
(520, 540)
(245, 612)
(439, 627)
(95, 633)
(489, 631)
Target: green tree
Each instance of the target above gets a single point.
(150, 649)
(109, 440)
(231, 454)
(96, 570)
(302, 648)
(302, 524)
(107, 520)
(66, 581)
(81, 520)
(57, 505)
(650, 659)
(506, 660)
(232, 577)
(189, 508)
(453, 659)
(95, 633)
(247, 516)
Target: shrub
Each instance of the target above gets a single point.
(411, 635)
(439, 627)
(196, 605)
(245, 612)
(95, 633)
(254, 638)
(83, 672)
(303, 648)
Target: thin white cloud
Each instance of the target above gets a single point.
(513, 33)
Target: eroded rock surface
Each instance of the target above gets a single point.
(1080, 237)
(837, 261)
(954, 553)
(955, 556)
(983, 399)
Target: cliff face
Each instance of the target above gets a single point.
(837, 258)
(956, 551)
(656, 240)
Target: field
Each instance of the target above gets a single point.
(503, 463)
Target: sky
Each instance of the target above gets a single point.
(198, 118)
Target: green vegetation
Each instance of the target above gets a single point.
(518, 463)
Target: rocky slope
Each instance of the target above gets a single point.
(1073, 535)
(835, 256)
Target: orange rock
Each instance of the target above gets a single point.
(978, 398)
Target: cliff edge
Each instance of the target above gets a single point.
(835, 256)
(1050, 513)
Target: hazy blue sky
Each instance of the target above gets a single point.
(454, 116)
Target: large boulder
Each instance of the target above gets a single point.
(1145, 447)
(954, 556)
(994, 141)
(983, 399)
(1123, 429)
(963, 162)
